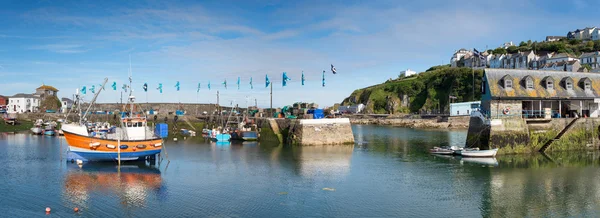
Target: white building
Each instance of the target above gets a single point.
(507, 44)
(354, 109)
(407, 73)
(458, 55)
(596, 34)
(560, 58)
(66, 105)
(464, 108)
(23, 103)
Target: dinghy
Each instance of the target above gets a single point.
(479, 153)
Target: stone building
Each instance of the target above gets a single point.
(537, 94)
(44, 91)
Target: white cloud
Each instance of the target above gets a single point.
(60, 48)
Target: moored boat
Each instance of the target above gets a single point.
(36, 130)
(131, 141)
(479, 153)
(441, 151)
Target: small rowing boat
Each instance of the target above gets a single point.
(479, 153)
(441, 151)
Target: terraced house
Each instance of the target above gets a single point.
(539, 94)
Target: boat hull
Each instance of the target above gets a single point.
(222, 138)
(480, 153)
(89, 155)
(88, 148)
(49, 132)
(36, 130)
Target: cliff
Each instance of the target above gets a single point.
(426, 91)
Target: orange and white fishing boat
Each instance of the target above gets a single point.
(132, 140)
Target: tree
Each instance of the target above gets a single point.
(499, 51)
(512, 49)
(587, 66)
(522, 44)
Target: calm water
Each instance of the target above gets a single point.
(388, 173)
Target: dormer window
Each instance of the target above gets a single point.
(568, 83)
(529, 83)
(508, 82)
(586, 84)
(549, 84)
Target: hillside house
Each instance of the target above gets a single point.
(67, 104)
(560, 58)
(459, 55)
(554, 38)
(539, 94)
(591, 59)
(496, 60)
(407, 73)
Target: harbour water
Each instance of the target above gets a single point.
(388, 173)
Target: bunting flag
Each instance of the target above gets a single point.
(225, 83)
(251, 86)
(285, 79)
(103, 88)
(159, 87)
(93, 89)
(177, 85)
(124, 87)
(323, 78)
(83, 90)
(333, 69)
(145, 87)
(267, 82)
(208, 85)
(114, 86)
(198, 90)
(303, 77)
(238, 83)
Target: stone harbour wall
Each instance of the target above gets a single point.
(321, 132)
(461, 122)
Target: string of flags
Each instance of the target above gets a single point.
(284, 83)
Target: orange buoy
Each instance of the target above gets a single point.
(76, 209)
(134, 149)
(47, 209)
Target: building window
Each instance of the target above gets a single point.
(587, 86)
(508, 83)
(569, 85)
(549, 84)
(529, 83)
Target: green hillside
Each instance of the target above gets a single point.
(429, 90)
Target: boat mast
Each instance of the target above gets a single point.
(94, 100)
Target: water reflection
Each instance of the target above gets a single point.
(323, 161)
(133, 183)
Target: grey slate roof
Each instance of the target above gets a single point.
(22, 95)
(494, 78)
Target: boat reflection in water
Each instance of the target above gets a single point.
(480, 160)
(132, 183)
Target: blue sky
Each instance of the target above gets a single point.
(69, 44)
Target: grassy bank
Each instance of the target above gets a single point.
(20, 126)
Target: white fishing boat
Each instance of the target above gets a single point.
(479, 153)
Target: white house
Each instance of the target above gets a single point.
(464, 108)
(586, 34)
(407, 73)
(354, 109)
(66, 105)
(23, 103)
(458, 55)
(560, 58)
(596, 34)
